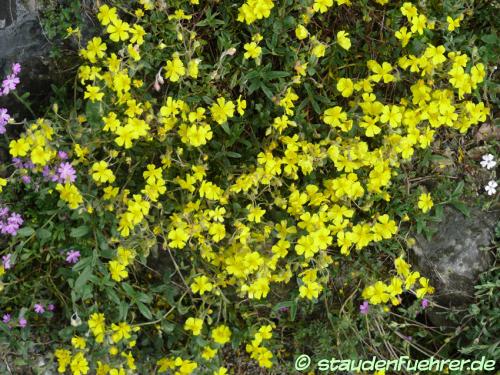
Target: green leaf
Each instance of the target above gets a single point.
(266, 91)
(129, 290)
(144, 310)
(489, 39)
(79, 231)
(25, 232)
(458, 190)
(276, 74)
(83, 278)
(225, 126)
(113, 296)
(293, 310)
(43, 234)
(231, 154)
(461, 207)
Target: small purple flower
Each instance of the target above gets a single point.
(66, 173)
(46, 171)
(425, 303)
(15, 218)
(10, 83)
(22, 322)
(6, 261)
(4, 119)
(13, 222)
(283, 309)
(51, 307)
(16, 68)
(63, 155)
(72, 256)
(39, 309)
(17, 162)
(29, 165)
(4, 211)
(26, 179)
(364, 308)
(6, 318)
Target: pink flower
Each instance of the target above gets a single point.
(16, 68)
(425, 303)
(6, 259)
(51, 307)
(66, 173)
(364, 308)
(4, 120)
(9, 84)
(63, 155)
(72, 256)
(6, 318)
(39, 309)
(22, 322)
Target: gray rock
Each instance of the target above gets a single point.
(454, 258)
(22, 40)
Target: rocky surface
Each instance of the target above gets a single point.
(22, 40)
(454, 258)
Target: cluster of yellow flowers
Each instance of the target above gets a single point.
(253, 10)
(121, 340)
(220, 335)
(35, 143)
(258, 352)
(380, 293)
(227, 226)
(118, 266)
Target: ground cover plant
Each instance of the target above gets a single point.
(222, 184)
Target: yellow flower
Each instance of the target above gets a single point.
(453, 23)
(93, 93)
(253, 51)
(242, 105)
(201, 285)
(418, 24)
(78, 342)
(174, 69)
(194, 324)
(63, 359)
(221, 334)
(322, 5)
(310, 290)
(220, 371)
(101, 173)
(222, 110)
(425, 289)
(334, 116)
(193, 68)
(208, 353)
(118, 30)
(117, 270)
(107, 15)
(345, 86)
(319, 50)
(97, 325)
(178, 238)
(425, 202)
(70, 194)
(79, 364)
(301, 32)
(19, 147)
(403, 35)
(121, 331)
(343, 40)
